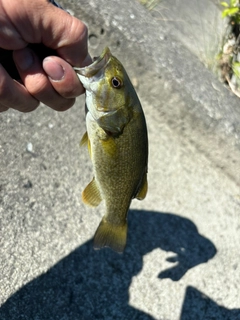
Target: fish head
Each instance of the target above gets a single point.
(109, 92)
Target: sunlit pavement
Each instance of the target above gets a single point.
(182, 257)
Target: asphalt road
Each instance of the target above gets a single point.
(182, 257)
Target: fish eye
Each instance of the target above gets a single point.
(116, 83)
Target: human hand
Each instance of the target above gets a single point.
(53, 81)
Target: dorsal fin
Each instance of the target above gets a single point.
(84, 139)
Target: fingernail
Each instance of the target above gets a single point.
(54, 70)
(24, 59)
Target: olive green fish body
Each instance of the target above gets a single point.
(118, 147)
(118, 175)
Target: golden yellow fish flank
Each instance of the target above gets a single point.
(118, 146)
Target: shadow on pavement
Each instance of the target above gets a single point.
(197, 306)
(90, 284)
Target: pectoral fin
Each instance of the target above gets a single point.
(91, 194)
(109, 235)
(109, 146)
(142, 192)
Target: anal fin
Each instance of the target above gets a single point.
(142, 192)
(91, 194)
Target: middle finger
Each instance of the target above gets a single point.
(37, 82)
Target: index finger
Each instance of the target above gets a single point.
(40, 21)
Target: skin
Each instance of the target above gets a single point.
(52, 81)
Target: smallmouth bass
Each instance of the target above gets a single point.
(118, 146)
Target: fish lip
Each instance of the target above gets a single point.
(96, 66)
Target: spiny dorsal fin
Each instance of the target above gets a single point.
(110, 235)
(142, 192)
(84, 139)
(91, 194)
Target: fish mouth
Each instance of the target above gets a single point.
(98, 64)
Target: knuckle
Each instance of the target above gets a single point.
(28, 108)
(12, 95)
(70, 93)
(26, 105)
(37, 85)
(3, 108)
(82, 34)
(4, 88)
(63, 106)
(84, 31)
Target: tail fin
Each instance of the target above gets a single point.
(110, 235)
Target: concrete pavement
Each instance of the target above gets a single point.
(182, 257)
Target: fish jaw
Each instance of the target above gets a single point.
(91, 84)
(90, 77)
(110, 107)
(107, 84)
(112, 121)
(97, 65)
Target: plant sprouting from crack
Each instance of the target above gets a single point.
(149, 4)
(230, 55)
(236, 69)
(231, 11)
